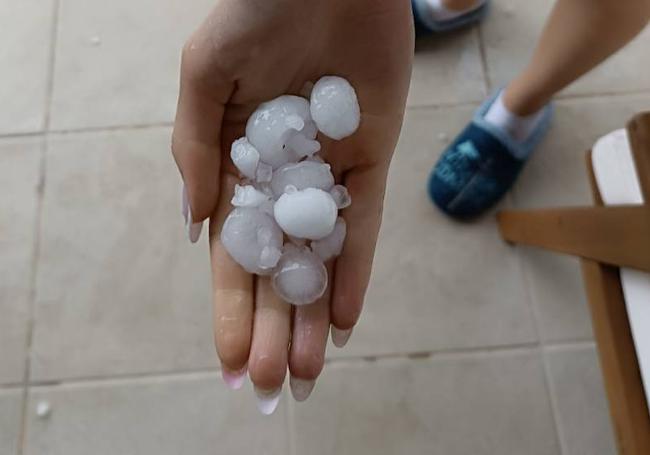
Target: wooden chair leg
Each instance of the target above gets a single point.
(617, 235)
(626, 396)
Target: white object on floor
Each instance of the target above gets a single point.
(43, 409)
(618, 183)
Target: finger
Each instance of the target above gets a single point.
(269, 349)
(353, 267)
(308, 343)
(204, 90)
(232, 300)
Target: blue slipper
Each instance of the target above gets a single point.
(481, 165)
(426, 25)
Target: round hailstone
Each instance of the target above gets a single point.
(306, 214)
(334, 107)
(300, 276)
(331, 245)
(245, 157)
(306, 174)
(273, 124)
(253, 239)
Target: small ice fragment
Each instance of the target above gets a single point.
(341, 196)
(245, 234)
(331, 245)
(269, 257)
(302, 175)
(264, 172)
(334, 107)
(308, 214)
(95, 41)
(245, 157)
(43, 409)
(273, 123)
(310, 131)
(300, 276)
(267, 206)
(301, 146)
(248, 196)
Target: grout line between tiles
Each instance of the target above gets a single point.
(22, 436)
(559, 439)
(487, 84)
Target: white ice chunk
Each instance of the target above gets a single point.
(331, 245)
(248, 196)
(306, 174)
(273, 123)
(341, 196)
(334, 107)
(301, 146)
(307, 214)
(245, 235)
(264, 172)
(245, 157)
(300, 276)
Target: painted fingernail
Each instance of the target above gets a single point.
(340, 337)
(267, 400)
(193, 229)
(301, 388)
(234, 379)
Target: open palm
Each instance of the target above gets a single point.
(250, 51)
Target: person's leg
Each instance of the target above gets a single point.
(578, 35)
(485, 159)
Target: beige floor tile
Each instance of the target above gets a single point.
(447, 69)
(437, 284)
(117, 62)
(556, 176)
(25, 34)
(450, 405)
(10, 418)
(510, 34)
(579, 395)
(188, 415)
(19, 177)
(119, 289)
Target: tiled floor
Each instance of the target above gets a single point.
(466, 346)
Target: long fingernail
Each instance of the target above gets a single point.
(234, 379)
(267, 401)
(340, 337)
(193, 229)
(301, 388)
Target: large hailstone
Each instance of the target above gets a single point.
(273, 127)
(334, 107)
(300, 276)
(302, 175)
(306, 214)
(253, 239)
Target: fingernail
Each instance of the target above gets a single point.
(340, 337)
(301, 388)
(234, 379)
(267, 401)
(193, 229)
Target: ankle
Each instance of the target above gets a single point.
(523, 102)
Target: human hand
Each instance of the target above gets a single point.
(250, 51)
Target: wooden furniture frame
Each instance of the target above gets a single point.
(605, 238)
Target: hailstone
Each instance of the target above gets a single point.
(302, 175)
(253, 239)
(334, 107)
(300, 276)
(306, 214)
